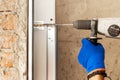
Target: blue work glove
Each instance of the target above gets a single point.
(91, 56)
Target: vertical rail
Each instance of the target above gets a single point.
(44, 13)
(40, 53)
(30, 41)
(52, 53)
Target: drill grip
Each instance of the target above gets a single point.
(82, 24)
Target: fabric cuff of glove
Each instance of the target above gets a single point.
(95, 67)
(99, 72)
(100, 69)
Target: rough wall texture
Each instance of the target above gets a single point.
(69, 39)
(13, 37)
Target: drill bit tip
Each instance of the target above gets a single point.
(64, 24)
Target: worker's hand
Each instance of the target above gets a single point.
(91, 56)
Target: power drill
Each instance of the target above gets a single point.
(109, 27)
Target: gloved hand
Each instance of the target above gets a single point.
(91, 56)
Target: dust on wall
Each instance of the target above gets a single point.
(69, 39)
(13, 39)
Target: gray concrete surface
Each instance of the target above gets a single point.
(69, 39)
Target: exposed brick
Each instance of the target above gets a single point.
(7, 41)
(10, 74)
(7, 60)
(7, 75)
(13, 63)
(7, 21)
(7, 5)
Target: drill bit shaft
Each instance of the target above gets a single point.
(39, 25)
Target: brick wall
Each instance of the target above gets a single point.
(13, 36)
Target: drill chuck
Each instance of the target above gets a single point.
(82, 24)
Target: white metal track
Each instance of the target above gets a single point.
(30, 39)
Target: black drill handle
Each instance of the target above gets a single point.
(94, 41)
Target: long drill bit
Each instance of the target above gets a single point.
(40, 25)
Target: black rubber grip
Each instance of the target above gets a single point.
(82, 24)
